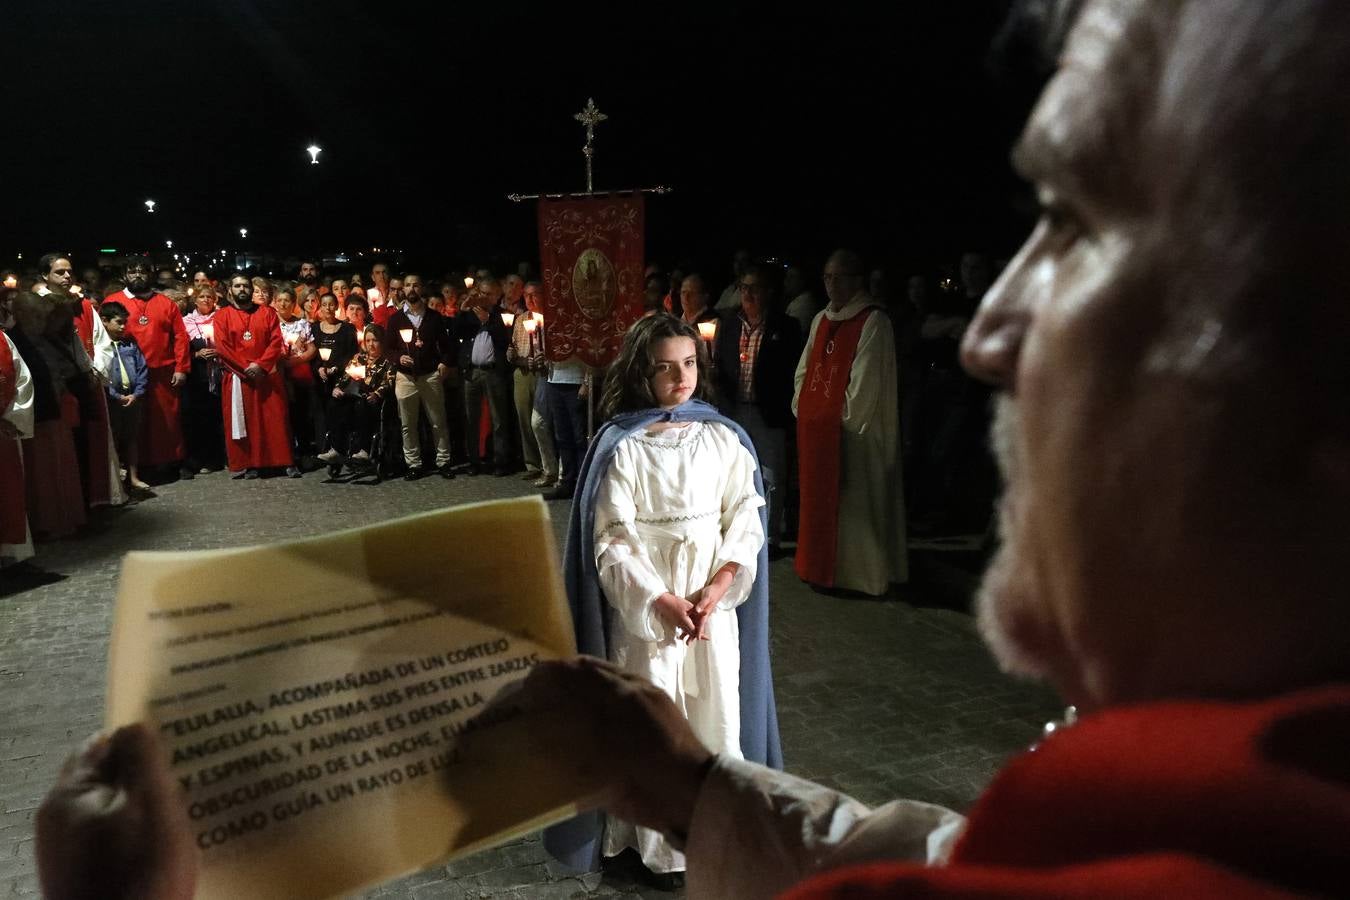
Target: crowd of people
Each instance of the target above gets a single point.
(138, 379)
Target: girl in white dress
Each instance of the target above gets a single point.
(677, 538)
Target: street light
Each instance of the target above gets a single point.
(150, 205)
(314, 150)
(169, 244)
(243, 232)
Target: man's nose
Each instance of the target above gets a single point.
(992, 345)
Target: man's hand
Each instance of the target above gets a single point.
(178, 380)
(406, 361)
(129, 400)
(254, 372)
(114, 825)
(651, 776)
(442, 370)
(207, 353)
(337, 393)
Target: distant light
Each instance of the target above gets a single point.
(243, 232)
(314, 150)
(150, 205)
(11, 282)
(108, 250)
(169, 244)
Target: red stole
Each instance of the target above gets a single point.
(820, 413)
(1173, 799)
(84, 326)
(13, 510)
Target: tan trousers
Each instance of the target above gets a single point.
(525, 383)
(414, 395)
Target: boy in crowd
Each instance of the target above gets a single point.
(128, 379)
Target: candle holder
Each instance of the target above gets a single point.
(208, 333)
(508, 319)
(707, 331)
(468, 281)
(406, 334)
(325, 353)
(531, 325)
(356, 372)
(538, 317)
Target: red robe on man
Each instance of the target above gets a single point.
(157, 327)
(1173, 799)
(257, 427)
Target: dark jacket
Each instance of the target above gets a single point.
(137, 371)
(434, 333)
(467, 327)
(780, 349)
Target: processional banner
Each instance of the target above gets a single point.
(591, 252)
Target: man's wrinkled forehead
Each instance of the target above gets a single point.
(1086, 132)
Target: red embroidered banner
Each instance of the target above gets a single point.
(591, 252)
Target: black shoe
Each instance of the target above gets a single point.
(186, 474)
(447, 471)
(252, 475)
(293, 472)
(503, 471)
(473, 469)
(412, 475)
(561, 492)
(237, 476)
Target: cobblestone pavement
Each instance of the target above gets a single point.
(880, 699)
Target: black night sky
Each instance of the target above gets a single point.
(883, 127)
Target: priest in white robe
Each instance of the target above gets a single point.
(852, 528)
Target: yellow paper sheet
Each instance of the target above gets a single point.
(318, 698)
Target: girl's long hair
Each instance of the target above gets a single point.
(628, 384)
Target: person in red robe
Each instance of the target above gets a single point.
(156, 325)
(16, 424)
(100, 467)
(253, 394)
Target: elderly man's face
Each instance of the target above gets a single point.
(1128, 477)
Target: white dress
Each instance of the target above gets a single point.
(674, 507)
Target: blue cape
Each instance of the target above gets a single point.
(576, 843)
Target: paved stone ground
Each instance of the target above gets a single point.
(880, 699)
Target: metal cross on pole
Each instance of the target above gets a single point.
(590, 117)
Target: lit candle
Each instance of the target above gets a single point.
(531, 325)
(468, 281)
(406, 334)
(707, 331)
(208, 333)
(357, 372)
(508, 319)
(538, 317)
(325, 353)
(191, 291)
(11, 281)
